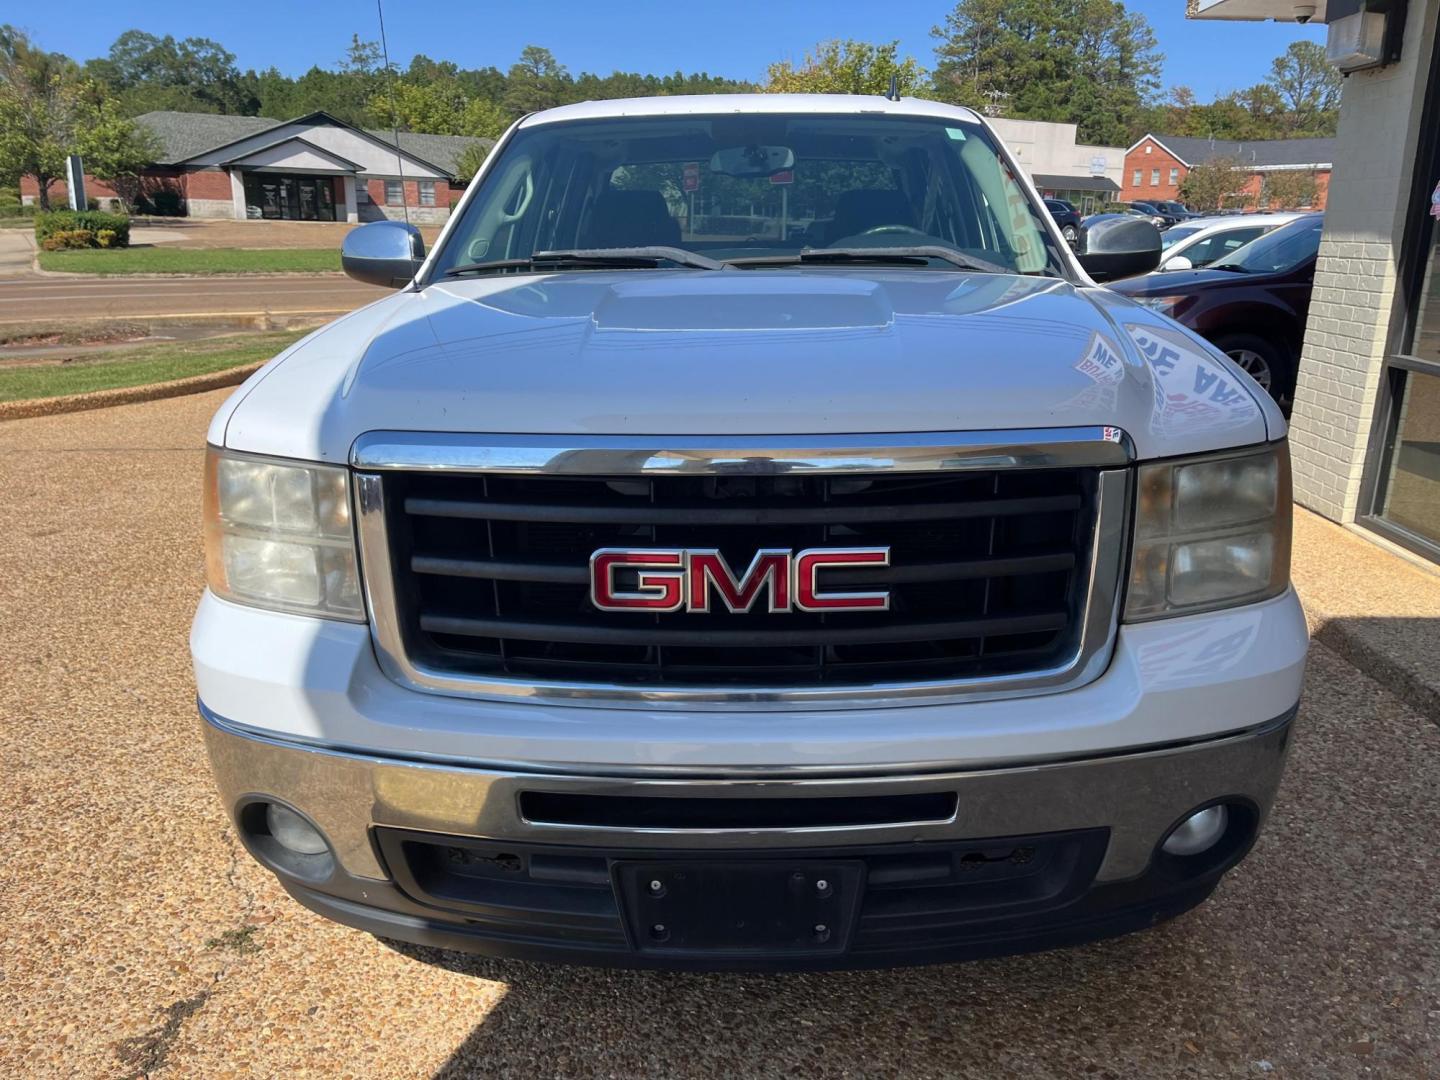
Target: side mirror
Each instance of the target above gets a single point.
(385, 253)
(1118, 245)
(1177, 262)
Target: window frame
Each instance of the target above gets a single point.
(389, 199)
(1421, 232)
(1154, 177)
(427, 191)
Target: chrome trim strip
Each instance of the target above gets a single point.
(1091, 656)
(652, 455)
(1137, 795)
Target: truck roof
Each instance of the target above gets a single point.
(704, 104)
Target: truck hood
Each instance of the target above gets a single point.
(808, 351)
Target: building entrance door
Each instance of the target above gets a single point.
(278, 196)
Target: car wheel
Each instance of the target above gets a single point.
(1071, 235)
(1263, 361)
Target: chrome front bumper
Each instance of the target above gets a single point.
(1136, 796)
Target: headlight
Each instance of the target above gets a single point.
(1210, 532)
(1165, 305)
(278, 535)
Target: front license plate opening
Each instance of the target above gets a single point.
(741, 907)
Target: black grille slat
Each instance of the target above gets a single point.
(890, 575)
(829, 635)
(987, 574)
(759, 515)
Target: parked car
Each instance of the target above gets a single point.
(1066, 217)
(1139, 210)
(1178, 210)
(1200, 242)
(1163, 218)
(1252, 304)
(621, 592)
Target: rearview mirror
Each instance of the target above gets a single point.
(1177, 262)
(1118, 245)
(385, 253)
(752, 160)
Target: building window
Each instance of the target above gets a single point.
(1148, 148)
(1135, 181)
(1154, 177)
(1410, 482)
(1174, 177)
(394, 193)
(427, 192)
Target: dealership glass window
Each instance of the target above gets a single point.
(1401, 496)
(427, 192)
(394, 193)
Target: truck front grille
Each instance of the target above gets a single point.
(990, 575)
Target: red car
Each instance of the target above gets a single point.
(1252, 305)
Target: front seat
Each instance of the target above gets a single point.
(630, 219)
(866, 208)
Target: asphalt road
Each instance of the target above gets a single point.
(38, 298)
(125, 901)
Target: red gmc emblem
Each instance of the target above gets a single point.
(675, 579)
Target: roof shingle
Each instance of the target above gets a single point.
(1259, 153)
(183, 135)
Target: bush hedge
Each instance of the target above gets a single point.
(92, 222)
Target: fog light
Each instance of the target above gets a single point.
(293, 832)
(1198, 832)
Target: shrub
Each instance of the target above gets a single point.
(90, 221)
(105, 238)
(161, 201)
(66, 239)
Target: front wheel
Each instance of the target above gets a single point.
(1071, 234)
(1263, 361)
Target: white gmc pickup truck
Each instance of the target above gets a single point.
(749, 539)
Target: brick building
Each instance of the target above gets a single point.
(1365, 431)
(314, 168)
(1157, 165)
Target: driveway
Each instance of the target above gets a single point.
(17, 252)
(137, 938)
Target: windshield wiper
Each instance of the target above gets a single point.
(917, 255)
(623, 258)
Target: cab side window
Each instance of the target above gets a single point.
(1208, 251)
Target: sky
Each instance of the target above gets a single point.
(737, 38)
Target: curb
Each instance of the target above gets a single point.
(126, 395)
(1377, 663)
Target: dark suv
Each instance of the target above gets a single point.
(1252, 305)
(1066, 218)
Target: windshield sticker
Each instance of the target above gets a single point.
(955, 133)
(1192, 388)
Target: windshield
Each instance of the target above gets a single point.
(749, 186)
(1283, 249)
(1170, 236)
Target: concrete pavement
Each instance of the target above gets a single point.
(137, 938)
(17, 252)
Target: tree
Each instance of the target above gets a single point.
(1290, 189)
(536, 81)
(440, 108)
(115, 148)
(1308, 86)
(41, 103)
(193, 75)
(469, 162)
(1088, 62)
(1212, 184)
(847, 67)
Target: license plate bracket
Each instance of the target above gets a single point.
(740, 907)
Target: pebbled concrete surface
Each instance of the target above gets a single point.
(137, 939)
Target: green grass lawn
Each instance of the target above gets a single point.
(169, 260)
(141, 365)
